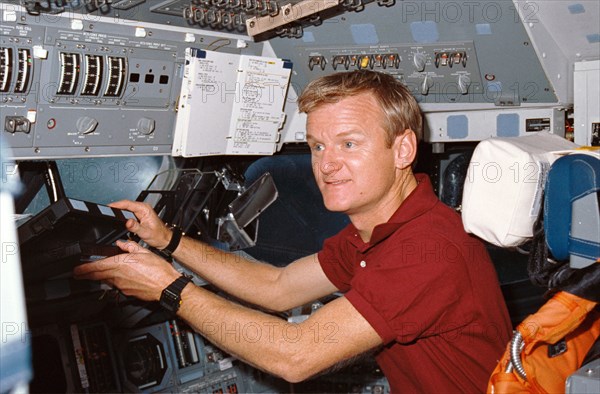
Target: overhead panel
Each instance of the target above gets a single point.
(477, 54)
(449, 69)
(472, 57)
(262, 19)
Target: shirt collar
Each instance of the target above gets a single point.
(419, 201)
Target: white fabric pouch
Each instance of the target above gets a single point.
(503, 189)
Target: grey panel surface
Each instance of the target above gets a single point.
(96, 86)
(585, 380)
(506, 64)
(503, 69)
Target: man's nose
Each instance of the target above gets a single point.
(330, 163)
(330, 167)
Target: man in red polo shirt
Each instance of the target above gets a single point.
(418, 291)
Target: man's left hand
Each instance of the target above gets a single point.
(139, 272)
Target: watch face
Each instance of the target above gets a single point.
(170, 297)
(170, 300)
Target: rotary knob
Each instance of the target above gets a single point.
(146, 125)
(86, 125)
(419, 60)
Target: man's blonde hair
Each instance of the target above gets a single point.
(399, 107)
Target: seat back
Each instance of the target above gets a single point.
(297, 223)
(572, 209)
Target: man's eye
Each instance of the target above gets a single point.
(318, 147)
(349, 144)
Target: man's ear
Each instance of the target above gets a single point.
(405, 149)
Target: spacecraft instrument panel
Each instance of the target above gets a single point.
(176, 103)
(101, 78)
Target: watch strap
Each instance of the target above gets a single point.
(173, 244)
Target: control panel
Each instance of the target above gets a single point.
(77, 86)
(170, 357)
(165, 357)
(441, 68)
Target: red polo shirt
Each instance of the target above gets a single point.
(431, 293)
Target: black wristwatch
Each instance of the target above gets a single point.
(173, 244)
(170, 298)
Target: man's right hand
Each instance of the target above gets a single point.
(148, 227)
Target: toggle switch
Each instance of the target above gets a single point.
(463, 83)
(426, 84)
(364, 62)
(342, 61)
(319, 61)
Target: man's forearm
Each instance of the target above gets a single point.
(247, 280)
(291, 351)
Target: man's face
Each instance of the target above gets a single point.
(355, 170)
